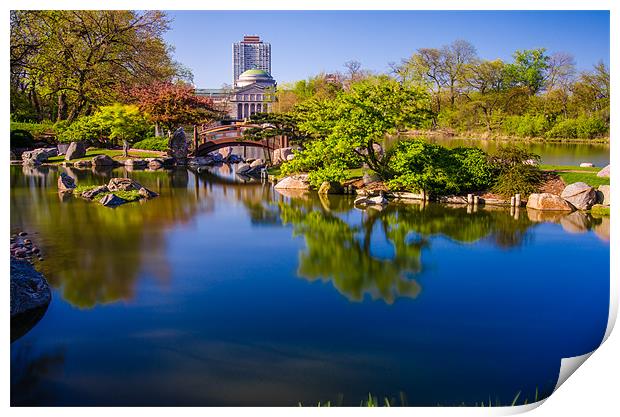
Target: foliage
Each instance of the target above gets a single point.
(527, 125)
(21, 139)
(529, 69)
(36, 130)
(274, 124)
(172, 104)
(112, 153)
(152, 144)
(64, 62)
(83, 128)
(581, 127)
(343, 132)
(517, 171)
(417, 165)
(599, 210)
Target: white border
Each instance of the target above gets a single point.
(592, 391)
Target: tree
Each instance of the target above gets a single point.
(529, 69)
(274, 124)
(455, 58)
(344, 132)
(173, 104)
(123, 122)
(70, 61)
(485, 80)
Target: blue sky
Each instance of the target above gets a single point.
(304, 43)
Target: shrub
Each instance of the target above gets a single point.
(21, 139)
(83, 128)
(418, 165)
(581, 127)
(517, 171)
(152, 144)
(526, 125)
(36, 130)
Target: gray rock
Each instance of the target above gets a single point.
(29, 289)
(83, 163)
(65, 182)
(290, 157)
(92, 193)
(586, 165)
(179, 146)
(111, 200)
(123, 184)
(580, 195)
(378, 200)
(135, 163)
(167, 161)
(103, 160)
(216, 156)
(200, 161)
(603, 195)
(547, 201)
(576, 222)
(604, 173)
(294, 182)
(155, 163)
(75, 150)
(146, 193)
(331, 188)
(243, 168)
(39, 155)
(257, 163)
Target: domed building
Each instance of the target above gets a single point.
(254, 92)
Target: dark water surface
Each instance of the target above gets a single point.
(225, 293)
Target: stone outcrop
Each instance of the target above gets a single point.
(332, 187)
(94, 192)
(112, 200)
(603, 195)
(135, 163)
(378, 200)
(39, 155)
(586, 165)
(83, 163)
(179, 147)
(580, 195)
(75, 150)
(547, 201)
(155, 163)
(281, 155)
(103, 160)
(65, 183)
(294, 182)
(123, 184)
(29, 289)
(604, 173)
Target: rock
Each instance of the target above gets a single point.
(580, 195)
(22, 234)
(547, 201)
(604, 172)
(249, 160)
(29, 289)
(233, 159)
(135, 163)
(603, 195)
(65, 182)
(586, 165)
(39, 155)
(146, 193)
(82, 163)
(216, 157)
(200, 161)
(92, 193)
(226, 152)
(111, 200)
(294, 182)
(290, 157)
(243, 168)
(280, 155)
(155, 163)
(167, 161)
(103, 160)
(123, 184)
(602, 230)
(576, 222)
(75, 150)
(257, 163)
(331, 188)
(179, 147)
(378, 200)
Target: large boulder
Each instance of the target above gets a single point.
(200, 161)
(294, 182)
(94, 192)
(135, 163)
(75, 150)
(547, 201)
(243, 168)
(123, 184)
(178, 146)
(257, 163)
(155, 163)
(332, 187)
(112, 200)
(603, 195)
(83, 163)
(282, 154)
(103, 160)
(378, 200)
(65, 182)
(580, 195)
(586, 165)
(39, 155)
(604, 172)
(29, 289)
(576, 222)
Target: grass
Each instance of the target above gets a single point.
(600, 211)
(571, 174)
(132, 195)
(112, 153)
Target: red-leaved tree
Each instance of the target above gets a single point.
(173, 104)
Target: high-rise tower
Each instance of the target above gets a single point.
(251, 53)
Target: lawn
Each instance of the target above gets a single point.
(571, 174)
(112, 153)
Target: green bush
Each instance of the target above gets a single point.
(36, 130)
(582, 127)
(152, 144)
(417, 165)
(526, 125)
(83, 128)
(21, 139)
(517, 171)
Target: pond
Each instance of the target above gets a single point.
(551, 153)
(221, 292)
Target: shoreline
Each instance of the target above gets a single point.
(484, 136)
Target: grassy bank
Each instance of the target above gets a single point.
(500, 137)
(571, 174)
(116, 154)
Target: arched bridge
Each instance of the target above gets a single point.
(211, 139)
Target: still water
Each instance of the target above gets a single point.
(228, 293)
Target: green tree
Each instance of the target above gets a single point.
(529, 69)
(123, 122)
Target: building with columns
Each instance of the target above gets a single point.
(255, 93)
